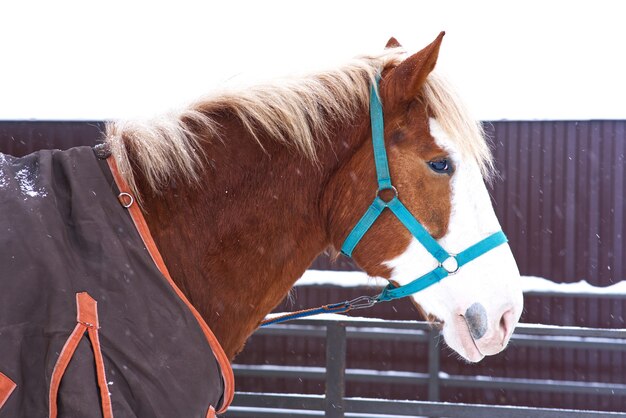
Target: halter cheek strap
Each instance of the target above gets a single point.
(447, 263)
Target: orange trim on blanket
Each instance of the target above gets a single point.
(105, 396)
(146, 236)
(86, 310)
(87, 314)
(6, 388)
(61, 365)
(211, 413)
(87, 320)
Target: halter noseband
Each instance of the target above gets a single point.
(448, 263)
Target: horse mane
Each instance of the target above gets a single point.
(296, 112)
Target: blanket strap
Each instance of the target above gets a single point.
(87, 320)
(6, 388)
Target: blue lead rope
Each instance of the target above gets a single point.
(377, 207)
(341, 307)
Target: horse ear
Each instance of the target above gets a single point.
(404, 82)
(392, 43)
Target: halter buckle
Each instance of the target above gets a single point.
(450, 264)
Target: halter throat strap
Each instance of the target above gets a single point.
(447, 263)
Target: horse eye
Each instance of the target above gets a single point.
(440, 166)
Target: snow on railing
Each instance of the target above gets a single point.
(530, 284)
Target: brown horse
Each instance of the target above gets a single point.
(242, 190)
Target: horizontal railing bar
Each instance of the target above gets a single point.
(294, 330)
(307, 404)
(361, 415)
(449, 410)
(556, 386)
(361, 375)
(356, 333)
(538, 329)
(387, 334)
(317, 325)
(354, 375)
(528, 336)
(236, 412)
(414, 378)
(575, 294)
(597, 339)
(279, 401)
(569, 342)
(247, 412)
(286, 372)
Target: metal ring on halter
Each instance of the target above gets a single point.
(453, 269)
(392, 188)
(129, 196)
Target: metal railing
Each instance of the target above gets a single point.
(334, 404)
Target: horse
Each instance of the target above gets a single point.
(235, 195)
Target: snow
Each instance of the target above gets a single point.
(530, 284)
(4, 182)
(27, 184)
(25, 179)
(539, 284)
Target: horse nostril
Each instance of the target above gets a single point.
(506, 324)
(476, 319)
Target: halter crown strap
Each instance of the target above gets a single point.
(378, 138)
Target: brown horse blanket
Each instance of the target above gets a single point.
(89, 327)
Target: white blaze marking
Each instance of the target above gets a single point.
(492, 279)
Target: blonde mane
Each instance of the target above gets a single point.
(294, 112)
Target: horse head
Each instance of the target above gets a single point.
(438, 162)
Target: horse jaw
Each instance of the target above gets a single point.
(490, 283)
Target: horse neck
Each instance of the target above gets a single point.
(236, 244)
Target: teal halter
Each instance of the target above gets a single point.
(448, 263)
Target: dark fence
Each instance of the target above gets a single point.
(23, 137)
(335, 375)
(560, 200)
(519, 361)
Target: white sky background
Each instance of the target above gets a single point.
(532, 59)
